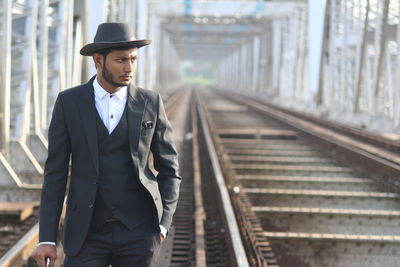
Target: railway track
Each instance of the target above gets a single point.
(202, 232)
(257, 191)
(309, 199)
(16, 222)
(198, 236)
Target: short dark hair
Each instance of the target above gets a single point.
(104, 52)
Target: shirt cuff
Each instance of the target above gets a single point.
(47, 243)
(163, 231)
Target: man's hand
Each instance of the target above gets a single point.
(44, 251)
(162, 237)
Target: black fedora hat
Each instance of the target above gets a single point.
(112, 34)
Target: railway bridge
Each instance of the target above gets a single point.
(285, 116)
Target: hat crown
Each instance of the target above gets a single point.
(113, 32)
(112, 35)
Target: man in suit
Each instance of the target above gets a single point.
(117, 211)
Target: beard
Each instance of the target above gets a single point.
(108, 77)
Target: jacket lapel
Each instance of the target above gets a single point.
(136, 107)
(88, 111)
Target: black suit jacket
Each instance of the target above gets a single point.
(73, 135)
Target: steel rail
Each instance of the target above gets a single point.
(257, 247)
(198, 199)
(339, 128)
(228, 211)
(332, 199)
(17, 251)
(172, 102)
(386, 159)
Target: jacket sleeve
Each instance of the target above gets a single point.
(166, 163)
(55, 175)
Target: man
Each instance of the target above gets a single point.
(117, 211)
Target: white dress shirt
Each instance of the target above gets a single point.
(110, 108)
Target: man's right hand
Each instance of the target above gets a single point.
(44, 251)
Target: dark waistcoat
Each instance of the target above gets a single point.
(120, 193)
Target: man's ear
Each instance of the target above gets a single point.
(98, 60)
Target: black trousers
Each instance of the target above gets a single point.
(117, 246)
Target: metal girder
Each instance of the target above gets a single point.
(230, 24)
(215, 22)
(359, 77)
(24, 21)
(142, 13)
(5, 74)
(240, 9)
(220, 37)
(202, 50)
(55, 43)
(168, 54)
(277, 53)
(205, 36)
(359, 67)
(38, 58)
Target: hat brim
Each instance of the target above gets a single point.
(91, 48)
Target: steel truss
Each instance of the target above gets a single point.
(271, 64)
(37, 43)
(361, 63)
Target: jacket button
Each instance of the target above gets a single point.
(95, 182)
(90, 206)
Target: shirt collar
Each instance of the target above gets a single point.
(122, 93)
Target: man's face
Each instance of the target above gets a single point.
(118, 67)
